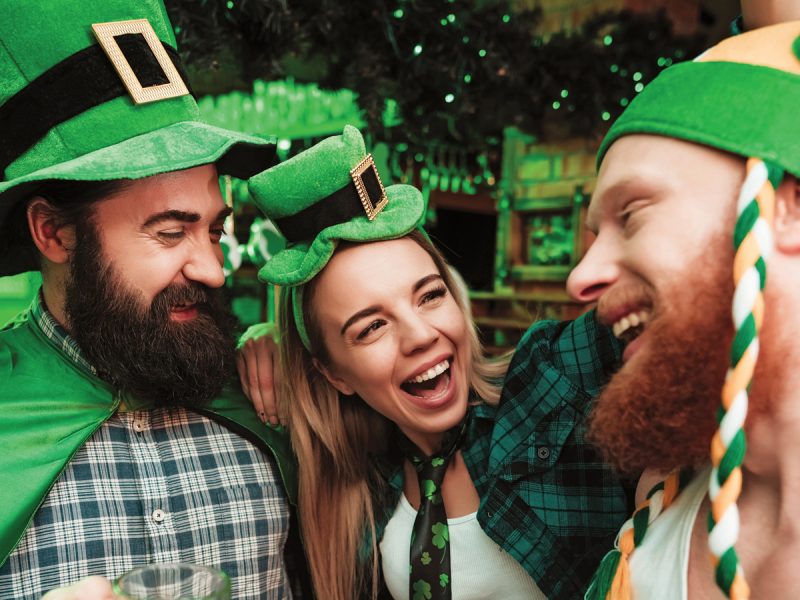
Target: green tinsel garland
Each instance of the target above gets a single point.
(459, 71)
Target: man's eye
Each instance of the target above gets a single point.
(171, 235)
(374, 326)
(216, 234)
(631, 209)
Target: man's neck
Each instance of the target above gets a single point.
(761, 13)
(771, 486)
(54, 299)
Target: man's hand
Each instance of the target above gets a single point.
(91, 588)
(255, 363)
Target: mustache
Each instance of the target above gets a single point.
(617, 300)
(192, 293)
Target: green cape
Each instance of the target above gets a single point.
(50, 408)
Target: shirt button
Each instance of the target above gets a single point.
(138, 426)
(158, 515)
(543, 453)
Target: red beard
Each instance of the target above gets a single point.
(659, 410)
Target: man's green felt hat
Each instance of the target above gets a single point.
(740, 96)
(330, 192)
(314, 199)
(94, 90)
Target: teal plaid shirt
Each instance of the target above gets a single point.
(547, 498)
(57, 335)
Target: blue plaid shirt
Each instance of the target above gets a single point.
(154, 486)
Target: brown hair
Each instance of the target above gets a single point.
(333, 438)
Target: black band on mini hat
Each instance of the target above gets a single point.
(364, 195)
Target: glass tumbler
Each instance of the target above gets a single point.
(173, 581)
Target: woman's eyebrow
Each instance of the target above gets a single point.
(425, 281)
(370, 310)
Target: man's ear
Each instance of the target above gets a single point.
(335, 381)
(787, 215)
(53, 240)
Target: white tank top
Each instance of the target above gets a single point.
(660, 566)
(479, 567)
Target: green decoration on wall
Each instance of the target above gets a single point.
(283, 110)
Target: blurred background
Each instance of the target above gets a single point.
(494, 109)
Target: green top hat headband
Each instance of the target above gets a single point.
(94, 90)
(740, 96)
(330, 192)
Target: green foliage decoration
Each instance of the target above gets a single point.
(460, 71)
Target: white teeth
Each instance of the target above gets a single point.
(632, 320)
(432, 372)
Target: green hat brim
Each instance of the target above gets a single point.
(178, 146)
(744, 109)
(300, 262)
(172, 148)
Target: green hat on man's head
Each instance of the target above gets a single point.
(330, 192)
(94, 90)
(740, 96)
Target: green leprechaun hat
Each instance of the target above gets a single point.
(330, 192)
(94, 90)
(740, 96)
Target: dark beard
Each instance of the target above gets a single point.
(138, 349)
(659, 410)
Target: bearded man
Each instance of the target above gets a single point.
(697, 206)
(125, 441)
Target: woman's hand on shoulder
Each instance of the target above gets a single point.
(256, 361)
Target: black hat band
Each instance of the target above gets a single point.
(364, 194)
(76, 84)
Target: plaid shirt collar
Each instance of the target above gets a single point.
(480, 416)
(57, 335)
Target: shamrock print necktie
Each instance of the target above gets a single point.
(429, 577)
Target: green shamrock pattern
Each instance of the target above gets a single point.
(429, 577)
(441, 535)
(422, 590)
(429, 490)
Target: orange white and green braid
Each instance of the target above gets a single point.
(752, 240)
(612, 580)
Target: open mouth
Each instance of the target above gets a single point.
(631, 326)
(183, 312)
(431, 383)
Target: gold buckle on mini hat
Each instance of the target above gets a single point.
(105, 34)
(371, 207)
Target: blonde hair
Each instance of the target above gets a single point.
(334, 437)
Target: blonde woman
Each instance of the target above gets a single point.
(413, 475)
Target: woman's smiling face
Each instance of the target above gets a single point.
(394, 336)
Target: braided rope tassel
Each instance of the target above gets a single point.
(612, 581)
(753, 243)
